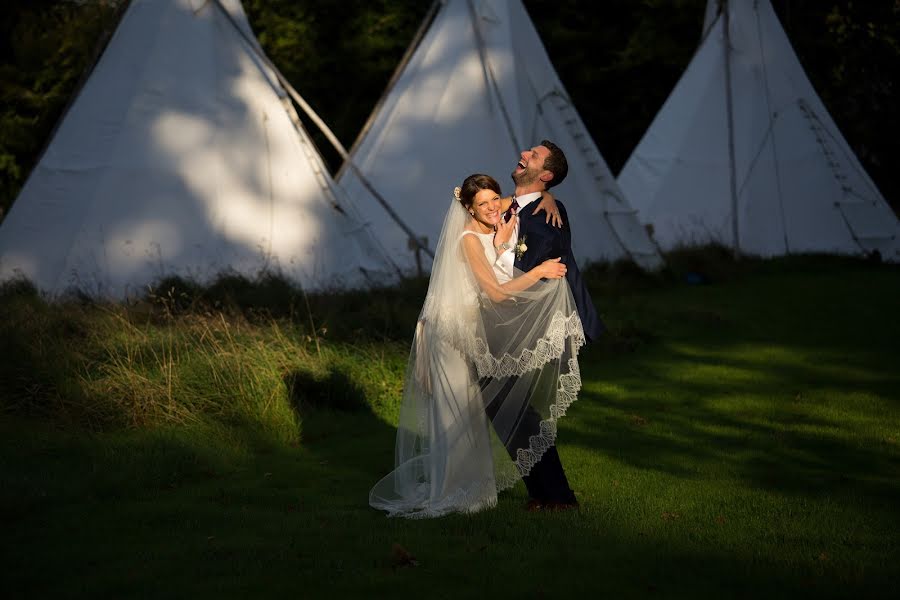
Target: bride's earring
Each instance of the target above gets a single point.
(472, 212)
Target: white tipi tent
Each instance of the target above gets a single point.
(182, 155)
(478, 89)
(744, 128)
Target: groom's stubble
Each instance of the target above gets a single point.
(526, 180)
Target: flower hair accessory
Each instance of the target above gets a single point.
(456, 192)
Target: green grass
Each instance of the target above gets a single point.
(739, 439)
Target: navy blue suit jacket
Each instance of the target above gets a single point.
(548, 241)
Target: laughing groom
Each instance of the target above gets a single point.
(539, 169)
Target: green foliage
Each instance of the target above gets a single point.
(851, 51)
(619, 61)
(257, 353)
(47, 48)
(340, 60)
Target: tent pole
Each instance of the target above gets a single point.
(489, 76)
(772, 116)
(326, 131)
(729, 108)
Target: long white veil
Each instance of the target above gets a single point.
(484, 360)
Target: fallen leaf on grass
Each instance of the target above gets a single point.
(637, 420)
(670, 516)
(823, 556)
(401, 557)
(720, 520)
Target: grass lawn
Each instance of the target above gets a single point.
(739, 439)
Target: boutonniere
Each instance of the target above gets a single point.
(521, 247)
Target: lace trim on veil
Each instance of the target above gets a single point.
(566, 394)
(550, 347)
(457, 332)
(477, 497)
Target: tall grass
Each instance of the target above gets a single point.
(184, 356)
(257, 350)
(736, 437)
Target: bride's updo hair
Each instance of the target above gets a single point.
(474, 184)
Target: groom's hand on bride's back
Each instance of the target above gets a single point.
(548, 205)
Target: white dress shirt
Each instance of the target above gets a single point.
(504, 262)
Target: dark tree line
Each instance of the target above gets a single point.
(619, 59)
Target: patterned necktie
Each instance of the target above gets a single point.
(513, 209)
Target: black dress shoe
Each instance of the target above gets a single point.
(555, 506)
(534, 505)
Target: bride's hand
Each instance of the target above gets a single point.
(504, 231)
(550, 269)
(548, 204)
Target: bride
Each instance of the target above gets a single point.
(485, 344)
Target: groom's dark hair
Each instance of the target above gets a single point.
(556, 163)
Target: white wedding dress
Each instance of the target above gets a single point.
(469, 353)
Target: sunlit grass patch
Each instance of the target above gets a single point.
(724, 445)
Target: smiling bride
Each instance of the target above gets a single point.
(488, 349)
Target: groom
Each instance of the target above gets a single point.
(541, 168)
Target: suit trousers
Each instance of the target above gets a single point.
(547, 480)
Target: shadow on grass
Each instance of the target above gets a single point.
(222, 509)
(336, 416)
(769, 422)
(333, 390)
(765, 367)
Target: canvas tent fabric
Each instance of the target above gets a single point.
(798, 185)
(477, 90)
(182, 155)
